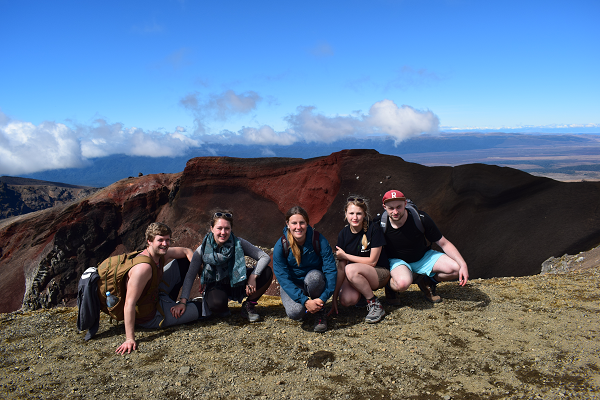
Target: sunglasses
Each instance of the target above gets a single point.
(226, 215)
(355, 200)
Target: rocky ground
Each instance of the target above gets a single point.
(502, 338)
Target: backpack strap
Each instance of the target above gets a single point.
(413, 211)
(286, 246)
(383, 221)
(316, 242)
(416, 217)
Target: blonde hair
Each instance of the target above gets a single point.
(296, 210)
(355, 200)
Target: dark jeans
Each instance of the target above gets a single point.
(217, 294)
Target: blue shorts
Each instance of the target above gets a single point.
(424, 266)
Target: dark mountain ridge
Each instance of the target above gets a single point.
(23, 195)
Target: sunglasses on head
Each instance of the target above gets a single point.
(226, 215)
(355, 200)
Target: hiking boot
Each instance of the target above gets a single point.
(375, 311)
(320, 322)
(391, 297)
(249, 311)
(427, 286)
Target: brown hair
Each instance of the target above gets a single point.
(363, 205)
(157, 229)
(214, 218)
(296, 210)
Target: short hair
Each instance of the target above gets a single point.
(157, 229)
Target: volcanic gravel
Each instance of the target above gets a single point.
(501, 338)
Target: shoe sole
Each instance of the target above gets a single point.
(320, 330)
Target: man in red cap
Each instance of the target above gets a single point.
(409, 254)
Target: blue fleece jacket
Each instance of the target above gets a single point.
(290, 275)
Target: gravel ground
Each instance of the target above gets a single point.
(502, 338)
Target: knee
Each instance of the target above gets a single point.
(296, 313)
(399, 285)
(349, 298)
(351, 272)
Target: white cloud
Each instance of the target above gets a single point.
(27, 148)
(103, 139)
(385, 118)
(400, 122)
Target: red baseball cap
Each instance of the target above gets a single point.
(393, 195)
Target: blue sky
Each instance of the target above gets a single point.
(91, 78)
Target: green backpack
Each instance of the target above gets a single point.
(113, 272)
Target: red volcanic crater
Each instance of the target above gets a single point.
(504, 221)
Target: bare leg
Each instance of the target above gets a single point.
(363, 278)
(446, 269)
(401, 278)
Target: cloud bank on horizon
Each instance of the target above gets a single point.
(57, 145)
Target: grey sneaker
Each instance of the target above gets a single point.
(375, 311)
(249, 311)
(320, 322)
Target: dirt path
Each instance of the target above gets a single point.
(503, 338)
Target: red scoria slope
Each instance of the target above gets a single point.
(505, 222)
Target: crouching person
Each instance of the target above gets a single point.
(305, 269)
(153, 285)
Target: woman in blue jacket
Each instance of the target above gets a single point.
(306, 275)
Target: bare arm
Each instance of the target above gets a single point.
(138, 277)
(452, 252)
(174, 253)
(371, 260)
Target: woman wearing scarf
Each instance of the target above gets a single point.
(306, 274)
(223, 273)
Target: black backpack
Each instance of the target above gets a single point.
(410, 205)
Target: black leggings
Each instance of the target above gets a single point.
(183, 264)
(217, 295)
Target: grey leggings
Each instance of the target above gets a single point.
(314, 284)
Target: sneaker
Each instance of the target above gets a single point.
(375, 311)
(249, 311)
(427, 286)
(391, 297)
(320, 322)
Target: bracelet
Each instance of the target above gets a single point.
(178, 302)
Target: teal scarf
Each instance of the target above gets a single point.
(223, 261)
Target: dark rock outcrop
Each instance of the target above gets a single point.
(505, 222)
(22, 195)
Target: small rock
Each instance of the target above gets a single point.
(184, 370)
